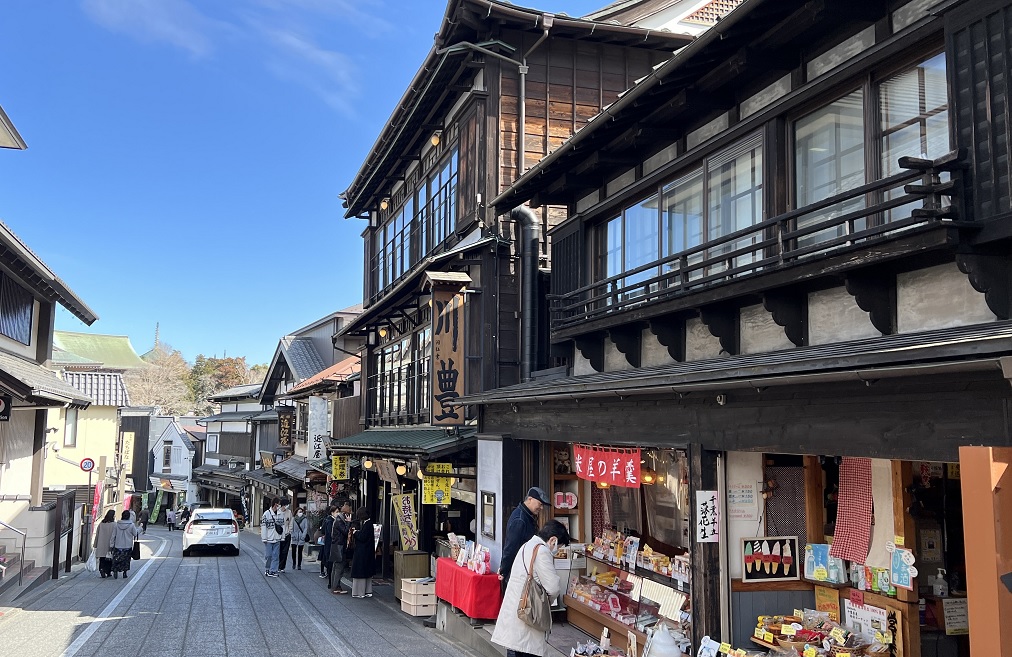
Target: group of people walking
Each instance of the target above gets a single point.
(348, 544)
(114, 543)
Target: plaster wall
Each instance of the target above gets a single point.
(581, 365)
(699, 342)
(490, 465)
(16, 439)
(97, 435)
(938, 297)
(742, 468)
(653, 352)
(834, 316)
(614, 360)
(759, 333)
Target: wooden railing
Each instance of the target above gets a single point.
(857, 217)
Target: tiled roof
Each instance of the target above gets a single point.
(113, 351)
(302, 357)
(106, 388)
(247, 390)
(335, 373)
(27, 379)
(713, 12)
(426, 441)
(63, 357)
(230, 416)
(195, 433)
(293, 467)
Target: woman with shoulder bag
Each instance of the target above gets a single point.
(535, 561)
(103, 537)
(325, 527)
(121, 544)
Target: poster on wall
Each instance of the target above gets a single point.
(742, 502)
(902, 571)
(436, 489)
(869, 620)
(769, 558)
(707, 517)
(828, 600)
(607, 465)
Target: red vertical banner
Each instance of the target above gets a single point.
(614, 466)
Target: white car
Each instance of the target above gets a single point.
(211, 528)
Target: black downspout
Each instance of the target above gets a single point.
(530, 251)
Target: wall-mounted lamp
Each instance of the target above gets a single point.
(367, 464)
(401, 470)
(385, 203)
(434, 140)
(383, 332)
(603, 484)
(648, 477)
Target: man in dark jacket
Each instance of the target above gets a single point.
(339, 548)
(325, 527)
(523, 524)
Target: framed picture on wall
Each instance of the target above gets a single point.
(488, 514)
(770, 558)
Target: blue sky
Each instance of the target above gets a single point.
(184, 157)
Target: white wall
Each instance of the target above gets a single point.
(938, 297)
(743, 467)
(490, 466)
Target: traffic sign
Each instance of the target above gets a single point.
(87, 465)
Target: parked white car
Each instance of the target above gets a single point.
(211, 528)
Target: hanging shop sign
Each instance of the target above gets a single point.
(339, 468)
(267, 461)
(404, 511)
(286, 425)
(769, 558)
(127, 453)
(435, 488)
(607, 465)
(447, 354)
(318, 446)
(707, 517)
(387, 471)
(6, 401)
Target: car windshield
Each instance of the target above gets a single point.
(218, 518)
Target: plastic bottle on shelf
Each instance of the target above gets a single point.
(940, 587)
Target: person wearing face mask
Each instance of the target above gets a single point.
(340, 555)
(523, 524)
(535, 556)
(300, 532)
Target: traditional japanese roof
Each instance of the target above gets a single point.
(64, 358)
(436, 85)
(294, 467)
(327, 379)
(195, 433)
(231, 416)
(113, 351)
(634, 12)
(9, 137)
(29, 381)
(424, 441)
(245, 391)
(36, 273)
(297, 356)
(105, 388)
(967, 348)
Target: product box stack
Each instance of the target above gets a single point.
(418, 596)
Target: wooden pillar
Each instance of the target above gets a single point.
(705, 556)
(815, 507)
(38, 456)
(903, 525)
(986, 481)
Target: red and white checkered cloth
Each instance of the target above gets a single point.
(853, 516)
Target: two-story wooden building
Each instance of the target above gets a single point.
(445, 294)
(783, 277)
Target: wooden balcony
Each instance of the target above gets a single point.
(857, 224)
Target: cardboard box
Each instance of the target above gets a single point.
(417, 599)
(413, 585)
(417, 610)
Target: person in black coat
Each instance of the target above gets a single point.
(339, 552)
(363, 561)
(328, 521)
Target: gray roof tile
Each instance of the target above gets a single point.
(36, 381)
(106, 388)
(302, 357)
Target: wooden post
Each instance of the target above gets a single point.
(815, 506)
(986, 481)
(903, 523)
(705, 586)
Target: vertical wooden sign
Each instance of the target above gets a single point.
(447, 354)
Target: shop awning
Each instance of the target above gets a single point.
(424, 442)
(169, 482)
(261, 479)
(29, 381)
(220, 477)
(325, 465)
(961, 349)
(293, 468)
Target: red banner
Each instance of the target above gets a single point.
(611, 465)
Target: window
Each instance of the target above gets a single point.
(16, 308)
(177, 455)
(722, 196)
(399, 386)
(70, 428)
(443, 200)
(212, 442)
(302, 426)
(167, 458)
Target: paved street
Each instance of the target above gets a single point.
(210, 605)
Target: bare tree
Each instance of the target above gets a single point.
(162, 383)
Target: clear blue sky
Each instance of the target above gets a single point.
(185, 156)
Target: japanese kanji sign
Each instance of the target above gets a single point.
(286, 425)
(707, 517)
(447, 355)
(318, 447)
(436, 489)
(339, 467)
(614, 466)
(404, 511)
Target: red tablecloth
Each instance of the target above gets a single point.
(476, 595)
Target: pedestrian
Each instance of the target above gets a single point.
(286, 539)
(363, 561)
(143, 518)
(325, 526)
(103, 538)
(170, 518)
(300, 533)
(272, 529)
(340, 555)
(537, 556)
(121, 544)
(523, 524)
(184, 516)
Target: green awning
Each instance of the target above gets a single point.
(426, 442)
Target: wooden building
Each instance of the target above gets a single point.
(502, 87)
(786, 256)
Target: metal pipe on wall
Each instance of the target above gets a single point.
(530, 245)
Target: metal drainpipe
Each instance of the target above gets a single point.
(546, 22)
(530, 244)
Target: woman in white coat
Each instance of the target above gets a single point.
(519, 638)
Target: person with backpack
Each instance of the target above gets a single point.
(272, 530)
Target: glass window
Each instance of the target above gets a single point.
(734, 192)
(829, 160)
(667, 496)
(70, 428)
(683, 218)
(399, 384)
(16, 309)
(641, 241)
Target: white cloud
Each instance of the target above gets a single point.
(175, 22)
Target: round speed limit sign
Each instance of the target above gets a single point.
(87, 465)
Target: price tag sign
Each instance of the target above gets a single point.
(799, 614)
(725, 648)
(788, 630)
(758, 633)
(768, 637)
(809, 652)
(838, 635)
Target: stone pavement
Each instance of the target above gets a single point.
(210, 605)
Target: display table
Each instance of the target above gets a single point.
(476, 595)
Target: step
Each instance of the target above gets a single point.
(32, 577)
(9, 583)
